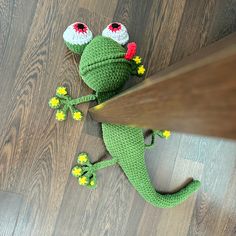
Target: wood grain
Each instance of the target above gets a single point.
(10, 204)
(181, 213)
(37, 153)
(194, 97)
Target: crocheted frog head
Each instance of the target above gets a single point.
(105, 63)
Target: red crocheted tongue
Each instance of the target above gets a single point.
(80, 27)
(131, 51)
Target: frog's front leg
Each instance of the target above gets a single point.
(85, 171)
(63, 103)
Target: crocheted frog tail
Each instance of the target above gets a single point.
(171, 200)
(140, 179)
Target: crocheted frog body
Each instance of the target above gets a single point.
(105, 66)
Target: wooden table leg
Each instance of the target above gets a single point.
(197, 95)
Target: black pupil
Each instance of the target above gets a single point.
(115, 25)
(81, 26)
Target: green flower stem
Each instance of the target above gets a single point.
(71, 109)
(154, 133)
(64, 102)
(62, 96)
(65, 108)
(104, 164)
(159, 133)
(152, 141)
(83, 99)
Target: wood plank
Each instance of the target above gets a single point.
(105, 8)
(10, 204)
(173, 219)
(37, 153)
(154, 29)
(214, 212)
(96, 212)
(202, 24)
(12, 46)
(210, 160)
(194, 97)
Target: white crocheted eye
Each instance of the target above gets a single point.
(117, 32)
(77, 34)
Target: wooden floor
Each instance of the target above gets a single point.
(38, 196)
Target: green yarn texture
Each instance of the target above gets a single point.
(103, 60)
(104, 69)
(75, 48)
(127, 145)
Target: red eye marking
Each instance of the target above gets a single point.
(80, 27)
(114, 27)
(131, 51)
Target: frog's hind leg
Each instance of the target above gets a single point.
(85, 171)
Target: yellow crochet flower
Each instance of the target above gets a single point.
(60, 115)
(61, 91)
(82, 158)
(166, 134)
(92, 183)
(77, 115)
(76, 171)
(137, 59)
(83, 180)
(141, 70)
(54, 102)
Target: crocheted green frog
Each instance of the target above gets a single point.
(105, 66)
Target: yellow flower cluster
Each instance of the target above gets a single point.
(166, 134)
(82, 158)
(83, 180)
(61, 91)
(60, 115)
(77, 115)
(84, 172)
(141, 70)
(77, 171)
(137, 59)
(54, 102)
